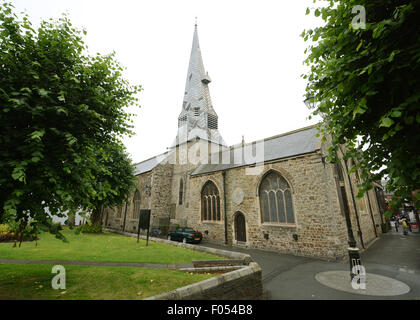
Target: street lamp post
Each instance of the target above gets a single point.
(353, 251)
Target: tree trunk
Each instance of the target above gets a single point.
(72, 219)
(95, 218)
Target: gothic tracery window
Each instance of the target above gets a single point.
(210, 203)
(136, 200)
(276, 200)
(118, 212)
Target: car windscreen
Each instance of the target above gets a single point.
(188, 230)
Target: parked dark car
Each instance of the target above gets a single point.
(185, 235)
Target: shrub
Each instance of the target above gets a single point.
(5, 229)
(88, 228)
(7, 237)
(29, 231)
(6, 233)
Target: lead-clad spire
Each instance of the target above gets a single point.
(198, 118)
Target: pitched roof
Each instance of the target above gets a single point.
(289, 144)
(149, 164)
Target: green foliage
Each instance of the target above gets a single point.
(62, 118)
(7, 237)
(5, 229)
(88, 228)
(366, 85)
(19, 231)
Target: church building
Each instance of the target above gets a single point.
(276, 194)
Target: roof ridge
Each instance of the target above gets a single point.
(274, 137)
(161, 154)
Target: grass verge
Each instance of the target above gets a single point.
(29, 282)
(106, 247)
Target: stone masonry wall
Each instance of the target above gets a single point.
(243, 284)
(117, 223)
(161, 193)
(319, 223)
(362, 214)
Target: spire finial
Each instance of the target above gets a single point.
(195, 21)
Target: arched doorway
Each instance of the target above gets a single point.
(240, 230)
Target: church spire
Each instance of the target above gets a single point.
(198, 118)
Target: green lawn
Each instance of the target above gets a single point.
(106, 247)
(32, 281)
(27, 282)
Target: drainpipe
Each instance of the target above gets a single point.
(224, 205)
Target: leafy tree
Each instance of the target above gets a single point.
(61, 120)
(365, 83)
(114, 185)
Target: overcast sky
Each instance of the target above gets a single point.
(251, 49)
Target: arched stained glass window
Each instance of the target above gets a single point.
(276, 199)
(210, 202)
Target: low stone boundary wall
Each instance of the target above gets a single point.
(218, 263)
(242, 284)
(210, 269)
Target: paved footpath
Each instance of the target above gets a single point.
(289, 277)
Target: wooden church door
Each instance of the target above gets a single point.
(240, 231)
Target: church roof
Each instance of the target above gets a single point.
(294, 143)
(149, 164)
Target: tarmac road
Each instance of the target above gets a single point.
(287, 277)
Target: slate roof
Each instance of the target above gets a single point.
(149, 164)
(294, 143)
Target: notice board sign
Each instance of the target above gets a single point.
(144, 223)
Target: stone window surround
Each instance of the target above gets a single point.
(221, 213)
(286, 177)
(136, 204)
(118, 212)
(278, 225)
(212, 222)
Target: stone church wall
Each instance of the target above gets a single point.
(320, 222)
(363, 214)
(116, 222)
(144, 182)
(320, 225)
(161, 195)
